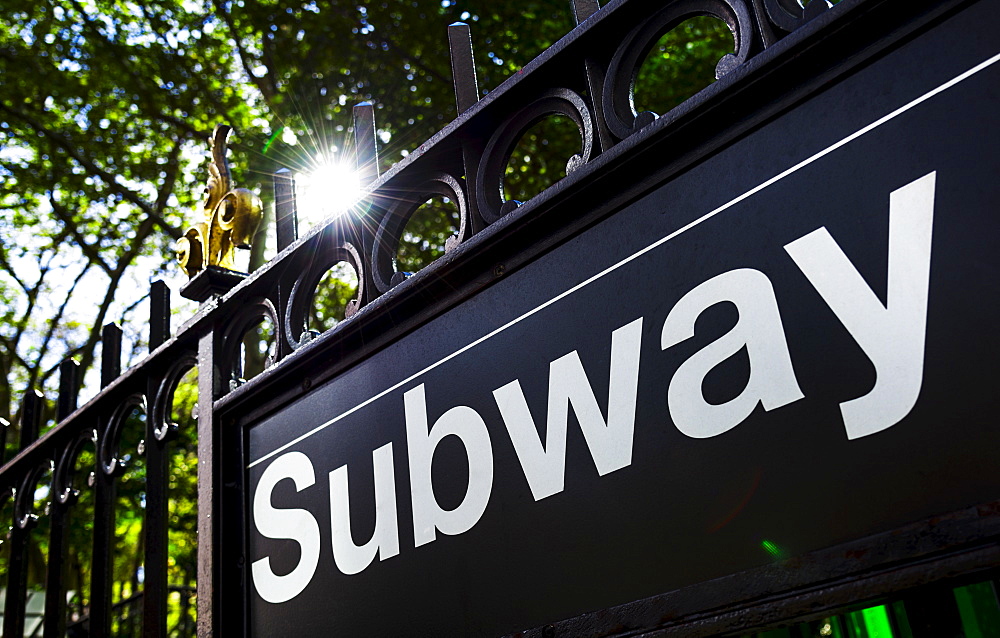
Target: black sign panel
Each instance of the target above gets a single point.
(789, 346)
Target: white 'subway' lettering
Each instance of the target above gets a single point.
(891, 335)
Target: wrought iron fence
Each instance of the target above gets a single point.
(587, 77)
(126, 616)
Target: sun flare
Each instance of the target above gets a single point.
(327, 190)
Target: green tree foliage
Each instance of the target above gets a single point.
(107, 105)
(105, 111)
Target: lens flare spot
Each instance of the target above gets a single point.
(329, 189)
(772, 549)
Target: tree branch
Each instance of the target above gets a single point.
(10, 271)
(19, 360)
(63, 142)
(86, 351)
(184, 127)
(173, 169)
(54, 322)
(88, 249)
(22, 325)
(265, 91)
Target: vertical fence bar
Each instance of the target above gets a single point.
(232, 555)
(154, 586)
(31, 418)
(287, 228)
(463, 66)
(69, 388)
(367, 164)
(209, 385)
(17, 568)
(104, 500)
(17, 578)
(466, 85)
(4, 428)
(101, 563)
(767, 35)
(364, 144)
(57, 568)
(159, 314)
(111, 354)
(286, 213)
(583, 9)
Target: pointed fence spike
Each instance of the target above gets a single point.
(111, 354)
(159, 314)
(463, 66)
(583, 9)
(285, 212)
(69, 388)
(4, 428)
(364, 143)
(367, 167)
(31, 417)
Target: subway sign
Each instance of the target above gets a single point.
(789, 346)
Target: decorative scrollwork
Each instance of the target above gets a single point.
(63, 491)
(619, 85)
(331, 249)
(24, 499)
(250, 315)
(163, 428)
(489, 183)
(232, 216)
(390, 230)
(789, 15)
(108, 457)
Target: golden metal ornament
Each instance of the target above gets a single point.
(232, 216)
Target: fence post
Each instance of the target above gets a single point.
(209, 490)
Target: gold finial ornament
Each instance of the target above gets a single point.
(232, 216)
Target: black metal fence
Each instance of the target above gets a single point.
(587, 77)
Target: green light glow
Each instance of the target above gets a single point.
(977, 605)
(877, 622)
(980, 613)
(771, 548)
(274, 136)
